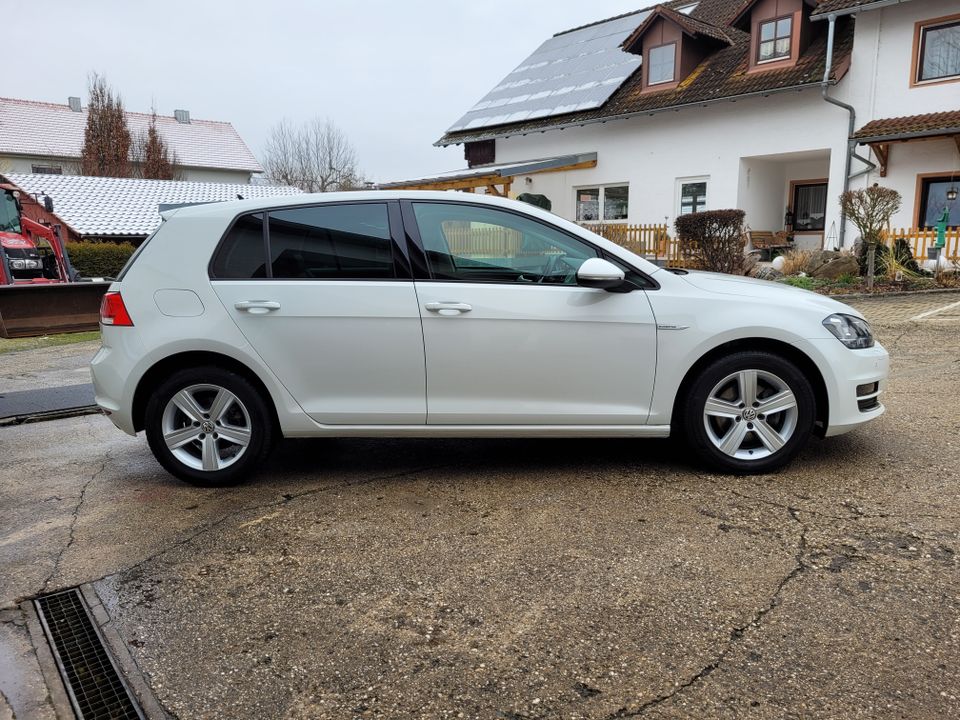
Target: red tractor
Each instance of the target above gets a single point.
(29, 251)
(40, 292)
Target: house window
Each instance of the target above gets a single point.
(775, 39)
(47, 170)
(661, 64)
(939, 57)
(933, 201)
(613, 199)
(693, 197)
(809, 207)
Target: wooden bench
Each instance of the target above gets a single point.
(766, 242)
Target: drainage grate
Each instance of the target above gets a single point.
(96, 689)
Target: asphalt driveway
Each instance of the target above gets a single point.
(515, 579)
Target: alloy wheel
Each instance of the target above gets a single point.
(206, 427)
(750, 414)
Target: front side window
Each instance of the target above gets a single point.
(939, 52)
(934, 202)
(474, 244)
(693, 197)
(331, 242)
(661, 64)
(809, 207)
(775, 39)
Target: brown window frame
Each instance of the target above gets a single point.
(760, 42)
(916, 65)
(673, 76)
(920, 201)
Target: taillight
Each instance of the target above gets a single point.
(113, 311)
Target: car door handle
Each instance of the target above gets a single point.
(257, 307)
(448, 308)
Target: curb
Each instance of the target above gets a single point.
(898, 294)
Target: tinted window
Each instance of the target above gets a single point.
(331, 242)
(476, 244)
(241, 254)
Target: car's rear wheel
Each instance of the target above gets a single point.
(750, 412)
(208, 426)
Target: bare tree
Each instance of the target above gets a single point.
(315, 157)
(106, 139)
(870, 210)
(153, 157)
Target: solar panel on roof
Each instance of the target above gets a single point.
(571, 72)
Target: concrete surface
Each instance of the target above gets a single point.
(47, 367)
(518, 579)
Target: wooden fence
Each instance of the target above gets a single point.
(650, 241)
(920, 239)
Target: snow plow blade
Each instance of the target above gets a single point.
(32, 310)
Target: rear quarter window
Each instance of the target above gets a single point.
(241, 254)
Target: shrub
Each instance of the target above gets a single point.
(99, 259)
(795, 261)
(714, 239)
(870, 210)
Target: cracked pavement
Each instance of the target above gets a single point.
(514, 578)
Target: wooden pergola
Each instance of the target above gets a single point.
(495, 179)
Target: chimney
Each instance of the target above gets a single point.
(182, 116)
(74, 103)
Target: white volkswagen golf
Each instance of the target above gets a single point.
(437, 314)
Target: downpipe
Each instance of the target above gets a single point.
(852, 126)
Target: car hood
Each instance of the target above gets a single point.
(766, 290)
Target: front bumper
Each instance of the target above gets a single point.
(844, 371)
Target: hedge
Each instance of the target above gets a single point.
(99, 259)
(714, 238)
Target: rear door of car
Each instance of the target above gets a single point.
(333, 312)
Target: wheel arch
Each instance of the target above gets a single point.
(776, 347)
(162, 369)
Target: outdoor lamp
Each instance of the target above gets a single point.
(952, 193)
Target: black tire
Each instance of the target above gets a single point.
(248, 412)
(770, 368)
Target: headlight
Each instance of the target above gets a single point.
(18, 264)
(851, 331)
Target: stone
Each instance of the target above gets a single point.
(842, 265)
(820, 258)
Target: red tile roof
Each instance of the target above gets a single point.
(946, 123)
(690, 25)
(844, 7)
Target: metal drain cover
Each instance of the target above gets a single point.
(96, 688)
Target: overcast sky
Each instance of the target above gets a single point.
(393, 74)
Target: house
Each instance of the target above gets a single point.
(118, 209)
(772, 106)
(46, 138)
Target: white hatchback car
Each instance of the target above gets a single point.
(438, 314)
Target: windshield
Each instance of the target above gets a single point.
(9, 217)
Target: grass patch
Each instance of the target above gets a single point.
(45, 341)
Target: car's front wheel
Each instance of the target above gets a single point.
(208, 426)
(749, 412)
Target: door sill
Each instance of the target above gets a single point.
(503, 431)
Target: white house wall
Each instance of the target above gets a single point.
(651, 152)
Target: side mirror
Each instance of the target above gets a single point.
(599, 273)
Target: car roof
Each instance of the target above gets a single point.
(231, 208)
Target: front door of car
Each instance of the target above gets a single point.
(323, 298)
(510, 338)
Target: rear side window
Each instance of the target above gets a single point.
(331, 242)
(241, 254)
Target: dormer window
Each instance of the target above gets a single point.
(775, 38)
(662, 64)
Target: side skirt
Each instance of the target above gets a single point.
(502, 431)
